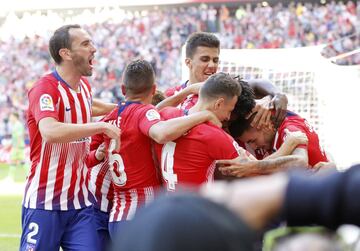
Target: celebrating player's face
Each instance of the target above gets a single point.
(203, 64)
(82, 51)
(256, 138)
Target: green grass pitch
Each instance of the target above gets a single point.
(10, 211)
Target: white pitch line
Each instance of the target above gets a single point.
(9, 235)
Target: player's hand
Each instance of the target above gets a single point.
(238, 168)
(279, 103)
(100, 152)
(295, 138)
(112, 132)
(263, 113)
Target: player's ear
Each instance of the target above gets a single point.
(153, 89)
(64, 53)
(188, 62)
(218, 103)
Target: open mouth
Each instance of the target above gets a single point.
(91, 62)
(208, 74)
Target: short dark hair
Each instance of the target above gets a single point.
(220, 84)
(239, 126)
(243, 107)
(59, 40)
(246, 101)
(139, 77)
(197, 39)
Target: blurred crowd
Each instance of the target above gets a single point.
(157, 35)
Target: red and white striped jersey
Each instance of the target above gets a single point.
(132, 170)
(99, 183)
(187, 103)
(190, 159)
(293, 123)
(56, 180)
(126, 203)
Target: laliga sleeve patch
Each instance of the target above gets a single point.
(152, 115)
(237, 147)
(46, 103)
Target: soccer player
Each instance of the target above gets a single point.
(202, 59)
(244, 108)
(204, 143)
(133, 174)
(308, 155)
(56, 209)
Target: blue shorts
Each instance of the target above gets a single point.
(48, 230)
(101, 221)
(115, 229)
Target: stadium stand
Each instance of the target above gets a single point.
(157, 34)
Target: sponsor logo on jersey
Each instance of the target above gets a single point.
(46, 103)
(152, 115)
(86, 139)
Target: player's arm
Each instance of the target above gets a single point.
(179, 97)
(269, 96)
(291, 141)
(97, 150)
(263, 88)
(94, 157)
(54, 131)
(100, 108)
(169, 130)
(249, 168)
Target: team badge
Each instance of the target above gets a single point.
(46, 103)
(30, 247)
(152, 115)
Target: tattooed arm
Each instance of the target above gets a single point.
(258, 167)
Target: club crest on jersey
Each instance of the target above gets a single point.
(30, 247)
(152, 115)
(46, 103)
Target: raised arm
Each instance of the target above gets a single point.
(172, 129)
(179, 97)
(263, 87)
(268, 97)
(100, 108)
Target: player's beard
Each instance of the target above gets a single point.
(83, 66)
